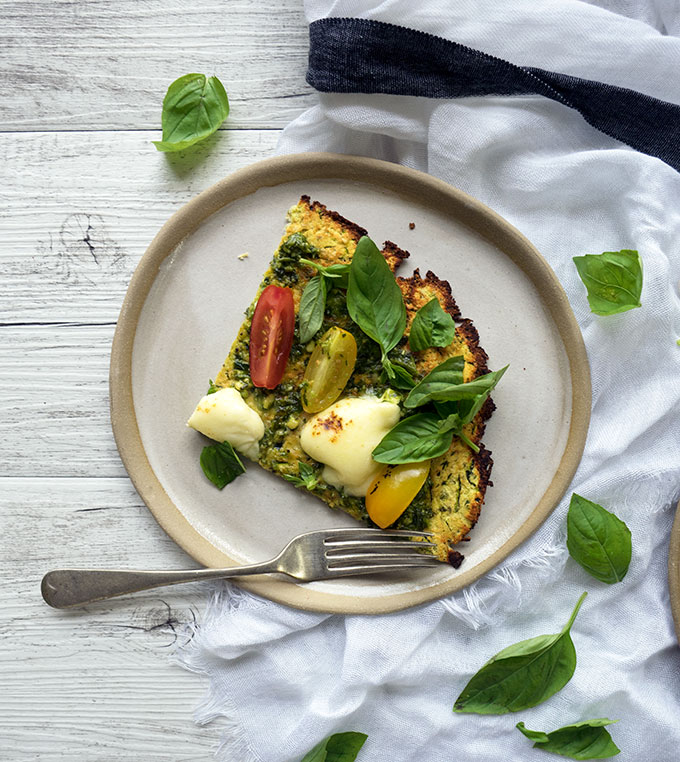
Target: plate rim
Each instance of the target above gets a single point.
(409, 183)
(674, 572)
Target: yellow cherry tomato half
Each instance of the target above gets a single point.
(328, 370)
(393, 490)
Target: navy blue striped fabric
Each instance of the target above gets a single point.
(348, 55)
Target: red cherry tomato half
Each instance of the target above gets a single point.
(271, 336)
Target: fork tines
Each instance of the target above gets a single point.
(377, 549)
(349, 534)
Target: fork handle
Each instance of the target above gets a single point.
(65, 588)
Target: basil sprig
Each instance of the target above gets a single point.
(431, 327)
(221, 464)
(583, 740)
(313, 300)
(340, 747)
(445, 384)
(312, 308)
(613, 280)
(193, 108)
(428, 435)
(338, 273)
(307, 477)
(374, 300)
(598, 540)
(522, 675)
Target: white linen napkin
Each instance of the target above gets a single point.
(285, 679)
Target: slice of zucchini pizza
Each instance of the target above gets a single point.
(356, 390)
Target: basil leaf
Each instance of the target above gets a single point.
(374, 300)
(613, 280)
(522, 675)
(412, 440)
(445, 384)
(399, 372)
(468, 409)
(403, 379)
(221, 464)
(431, 327)
(340, 747)
(452, 422)
(193, 108)
(464, 411)
(445, 409)
(307, 476)
(598, 540)
(534, 735)
(338, 274)
(584, 740)
(312, 308)
(448, 374)
(212, 388)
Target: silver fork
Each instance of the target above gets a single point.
(326, 554)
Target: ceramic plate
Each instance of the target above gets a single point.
(186, 302)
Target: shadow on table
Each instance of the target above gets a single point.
(183, 163)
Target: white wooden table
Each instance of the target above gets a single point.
(83, 193)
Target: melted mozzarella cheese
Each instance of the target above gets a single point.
(344, 435)
(225, 417)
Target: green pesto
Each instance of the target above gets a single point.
(297, 246)
(355, 506)
(286, 262)
(286, 405)
(298, 350)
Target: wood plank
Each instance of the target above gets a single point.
(94, 683)
(78, 210)
(57, 521)
(106, 66)
(54, 409)
(84, 193)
